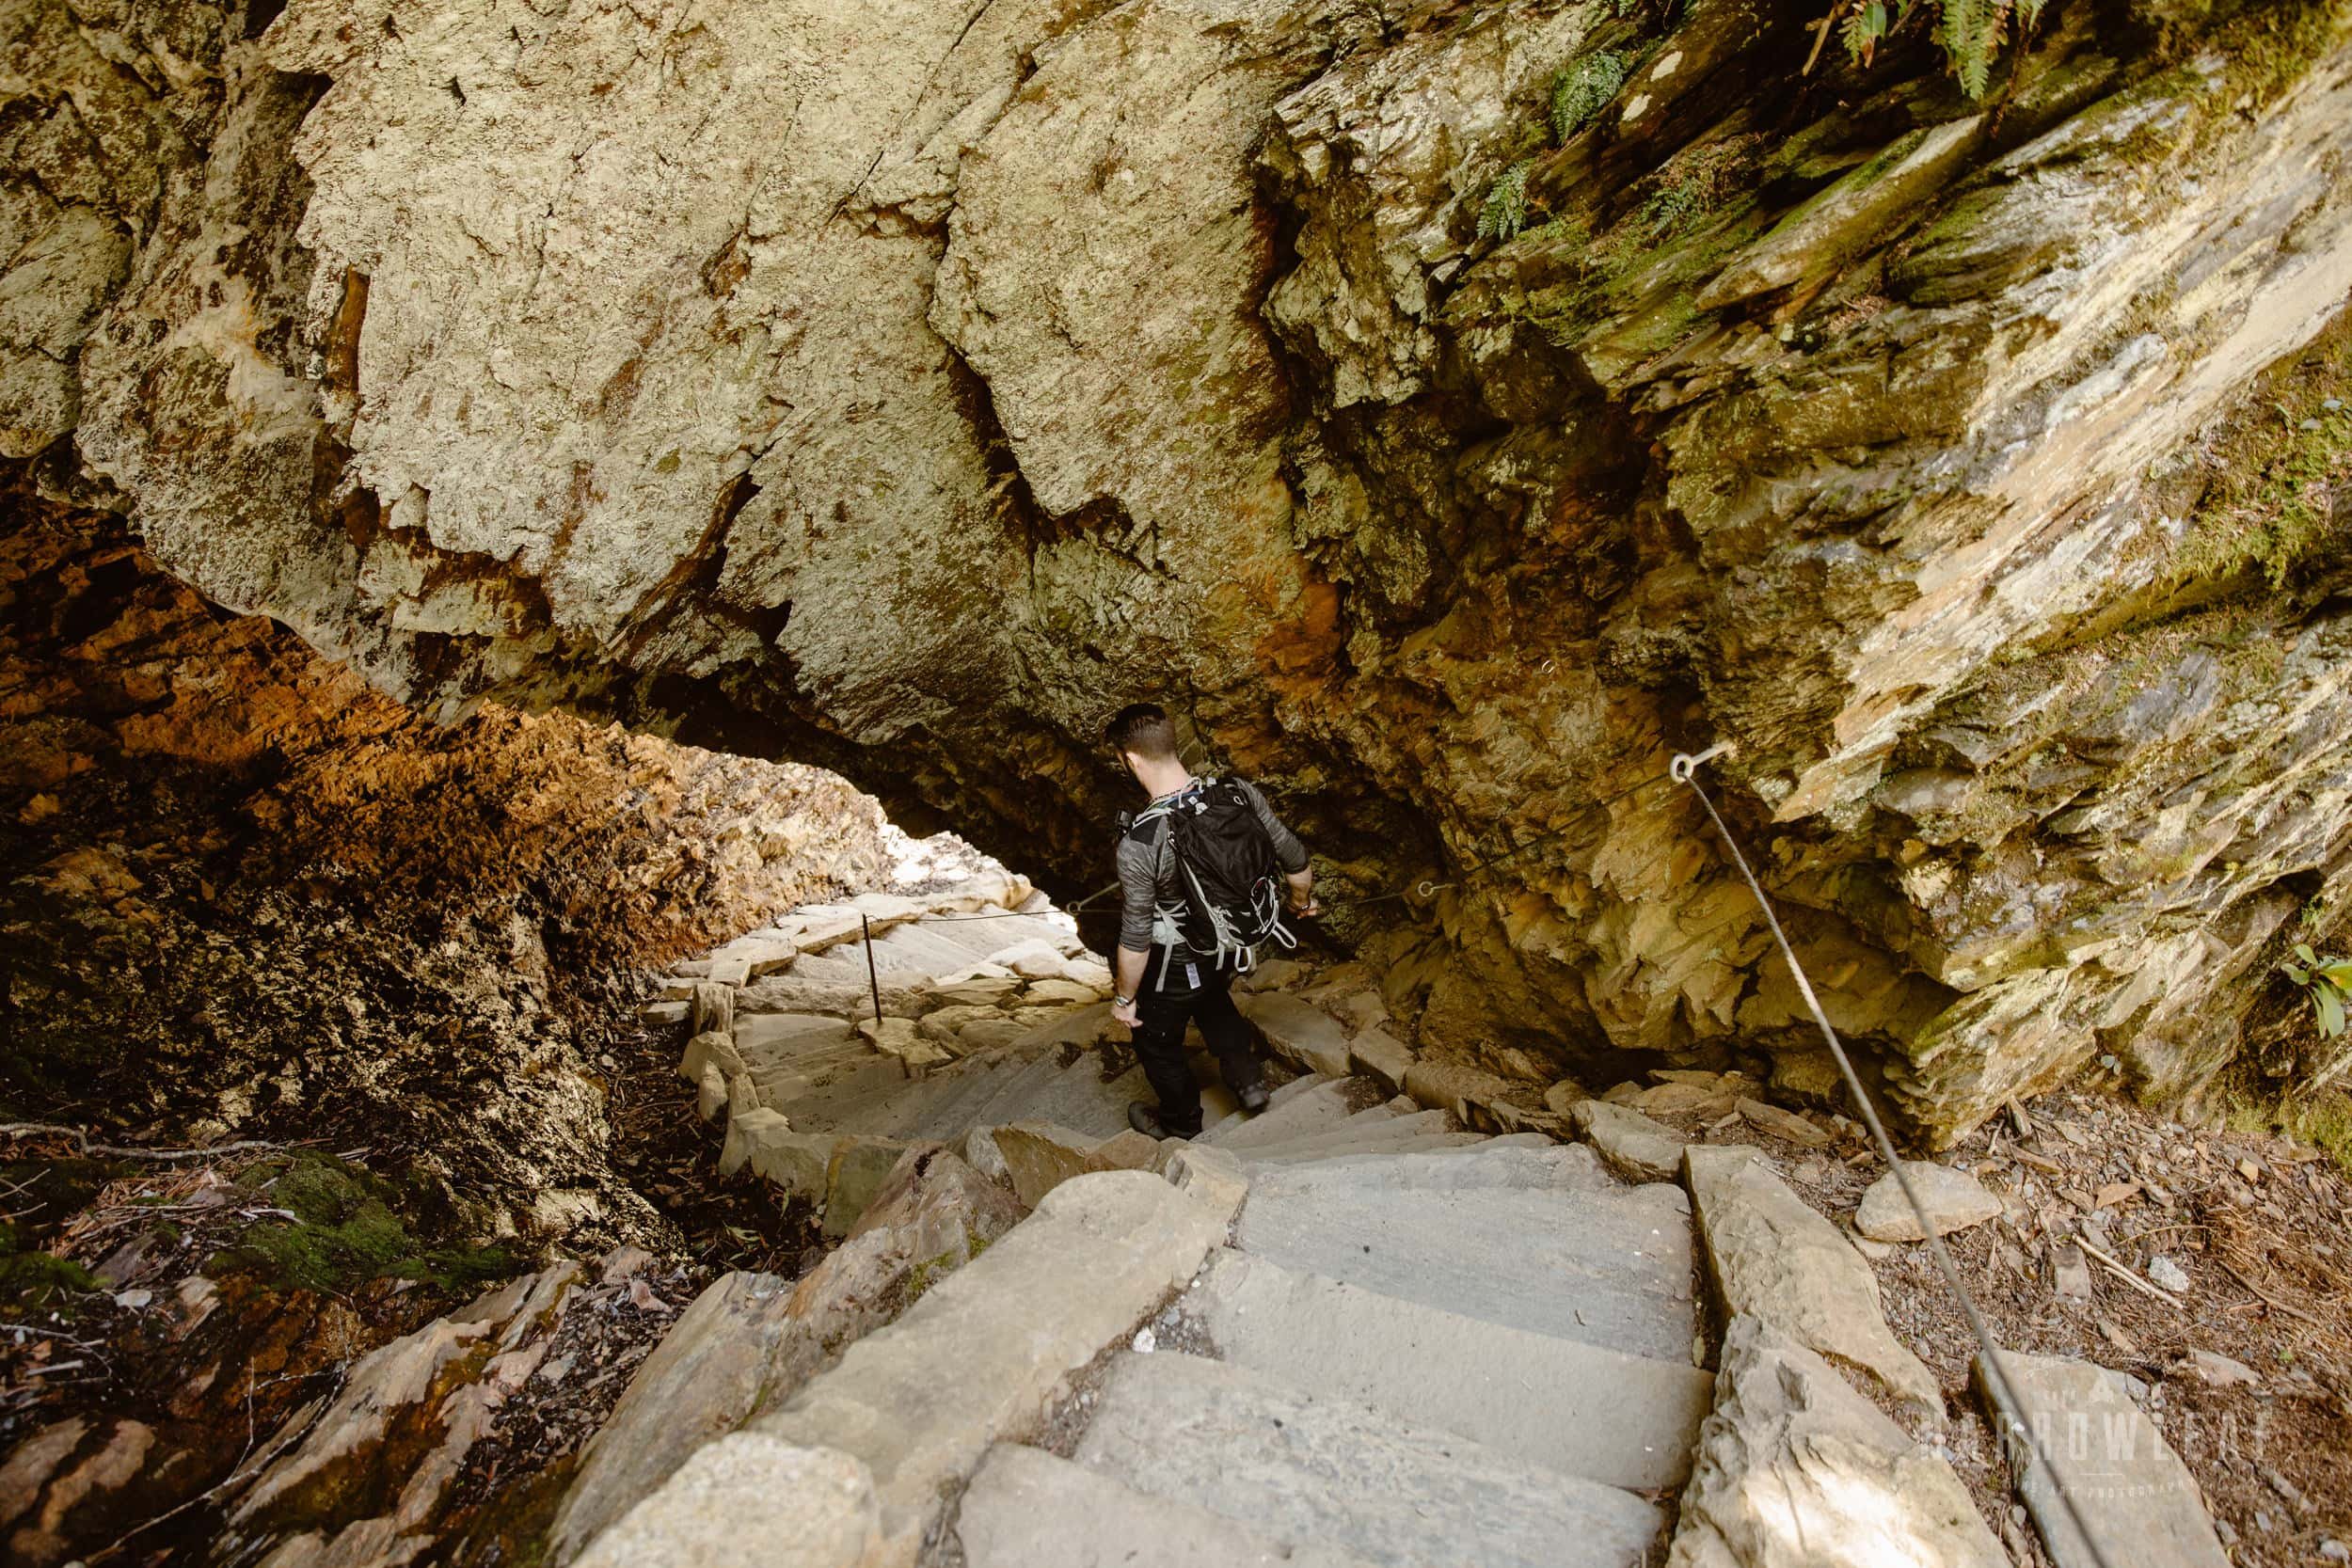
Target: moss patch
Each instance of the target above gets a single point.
(2280, 495)
(345, 1229)
(2323, 1120)
(39, 1279)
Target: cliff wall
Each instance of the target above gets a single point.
(1452, 411)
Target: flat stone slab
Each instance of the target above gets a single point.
(988, 1350)
(702, 1517)
(1795, 1469)
(2132, 1490)
(1040, 1156)
(1608, 1268)
(1630, 1143)
(1306, 1468)
(1953, 1198)
(1529, 1163)
(773, 1036)
(1026, 1509)
(1380, 1056)
(1774, 1257)
(1323, 1105)
(1298, 1032)
(1420, 1143)
(1624, 1420)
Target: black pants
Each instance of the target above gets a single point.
(1162, 1013)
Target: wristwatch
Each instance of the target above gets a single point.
(1122, 1001)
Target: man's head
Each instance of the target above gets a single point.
(1145, 738)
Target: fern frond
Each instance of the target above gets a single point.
(1863, 28)
(1969, 28)
(1505, 212)
(1581, 91)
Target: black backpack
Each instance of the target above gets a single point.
(1228, 885)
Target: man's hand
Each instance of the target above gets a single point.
(1125, 1012)
(1301, 898)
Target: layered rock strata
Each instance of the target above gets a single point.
(905, 389)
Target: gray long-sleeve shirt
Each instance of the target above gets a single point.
(1147, 872)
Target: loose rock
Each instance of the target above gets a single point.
(1954, 1200)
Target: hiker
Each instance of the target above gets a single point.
(1205, 869)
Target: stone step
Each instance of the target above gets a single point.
(835, 1104)
(1362, 1138)
(1528, 1161)
(1026, 1509)
(988, 1350)
(923, 947)
(980, 939)
(1008, 1103)
(1303, 1468)
(975, 1079)
(911, 1112)
(1079, 1097)
(1625, 1420)
(1609, 1267)
(1388, 1110)
(2136, 1498)
(774, 1037)
(1279, 1095)
(1425, 1143)
(1325, 1106)
(1344, 1139)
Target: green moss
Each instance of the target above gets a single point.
(2271, 505)
(2323, 1120)
(39, 1279)
(2269, 48)
(926, 1272)
(344, 1229)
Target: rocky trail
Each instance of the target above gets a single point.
(1397, 1318)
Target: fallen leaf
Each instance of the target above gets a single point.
(2119, 1339)
(2115, 1193)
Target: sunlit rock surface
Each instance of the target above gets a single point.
(903, 388)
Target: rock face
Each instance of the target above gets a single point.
(905, 390)
(249, 896)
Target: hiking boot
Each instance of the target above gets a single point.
(1253, 1098)
(1146, 1120)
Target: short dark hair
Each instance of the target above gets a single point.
(1144, 729)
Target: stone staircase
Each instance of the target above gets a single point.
(1421, 1347)
(1388, 1320)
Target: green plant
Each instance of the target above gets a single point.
(1970, 31)
(2328, 984)
(2279, 508)
(1505, 212)
(1581, 91)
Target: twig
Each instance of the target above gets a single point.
(237, 1473)
(40, 1129)
(2270, 1300)
(2126, 1274)
(1820, 37)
